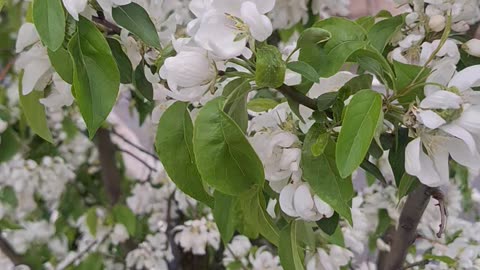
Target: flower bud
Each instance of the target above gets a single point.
(437, 23)
(472, 47)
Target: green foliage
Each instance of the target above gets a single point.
(91, 220)
(141, 83)
(123, 215)
(235, 105)
(224, 214)
(94, 261)
(304, 69)
(358, 129)
(382, 32)
(34, 112)
(270, 68)
(49, 20)
(10, 144)
(123, 62)
(322, 174)
(289, 252)
(261, 104)
(62, 62)
(225, 158)
(96, 78)
(175, 148)
(313, 36)
(136, 20)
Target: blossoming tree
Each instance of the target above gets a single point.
(238, 134)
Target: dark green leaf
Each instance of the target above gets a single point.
(123, 62)
(407, 184)
(270, 67)
(8, 196)
(136, 20)
(329, 225)
(123, 215)
(141, 83)
(322, 175)
(62, 62)
(10, 144)
(313, 36)
(304, 69)
(358, 129)
(396, 156)
(175, 148)
(325, 101)
(225, 158)
(405, 76)
(373, 170)
(288, 250)
(235, 106)
(49, 20)
(224, 214)
(96, 78)
(94, 261)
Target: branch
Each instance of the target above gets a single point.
(9, 252)
(134, 145)
(420, 263)
(293, 94)
(152, 169)
(114, 29)
(437, 194)
(406, 233)
(110, 174)
(7, 68)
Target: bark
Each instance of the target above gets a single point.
(110, 174)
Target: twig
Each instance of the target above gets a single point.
(406, 232)
(110, 174)
(137, 158)
(134, 145)
(9, 252)
(114, 29)
(7, 68)
(293, 94)
(65, 264)
(420, 263)
(437, 194)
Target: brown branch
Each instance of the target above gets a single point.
(110, 174)
(113, 29)
(141, 149)
(420, 263)
(7, 68)
(293, 94)
(9, 252)
(406, 232)
(437, 194)
(152, 169)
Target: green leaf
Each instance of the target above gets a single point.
(34, 112)
(405, 76)
(8, 196)
(325, 101)
(94, 261)
(313, 36)
(358, 128)
(2, 3)
(91, 221)
(225, 158)
(175, 149)
(329, 225)
(445, 259)
(270, 67)
(224, 214)
(407, 184)
(366, 22)
(322, 174)
(254, 208)
(288, 249)
(10, 144)
(141, 83)
(62, 62)
(123, 62)
(136, 20)
(382, 32)
(373, 170)
(7, 224)
(319, 145)
(372, 61)
(49, 20)
(96, 78)
(235, 106)
(261, 104)
(125, 216)
(396, 156)
(304, 69)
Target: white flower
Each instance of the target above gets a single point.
(74, 7)
(437, 23)
(119, 234)
(27, 35)
(238, 248)
(223, 27)
(195, 235)
(264, 260)
(61, 94)
(189, 74)
(287, 13)
(108, 4)
(472, 47)
(297, 200)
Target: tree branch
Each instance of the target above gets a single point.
(114, 29)
(293, 94)
(141, 149)
(406, 232)
(9, 252)
(110, 174)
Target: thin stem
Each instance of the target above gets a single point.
(136, 158)
(293, 94)
(134, 145)
(7, 68)
(103, 22)
(420, 263)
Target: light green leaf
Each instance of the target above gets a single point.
(225, 158)
(224, 215)
(123, 62)
(2, 3)
(49, 20)
(136, 20)
(34, 112)
(96, 78)
(304, 69)
(261, 104)
(445, 259)
(319, 145)
(373, 170)
(288, 249)
(235, 106)
(322, 174)
(382, 32)
(125, 216)
(358, 129)
(270, 69)
(62, 62)
(405, 76)
(8, 196)
(175, 148)
(91, 221)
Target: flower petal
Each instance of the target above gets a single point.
(466, 79)
(286, 200)
(260, 25)
(441, 75)
(459, 132)
(430, 119)
(27, 35)
(441, 100)
(461, 153)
